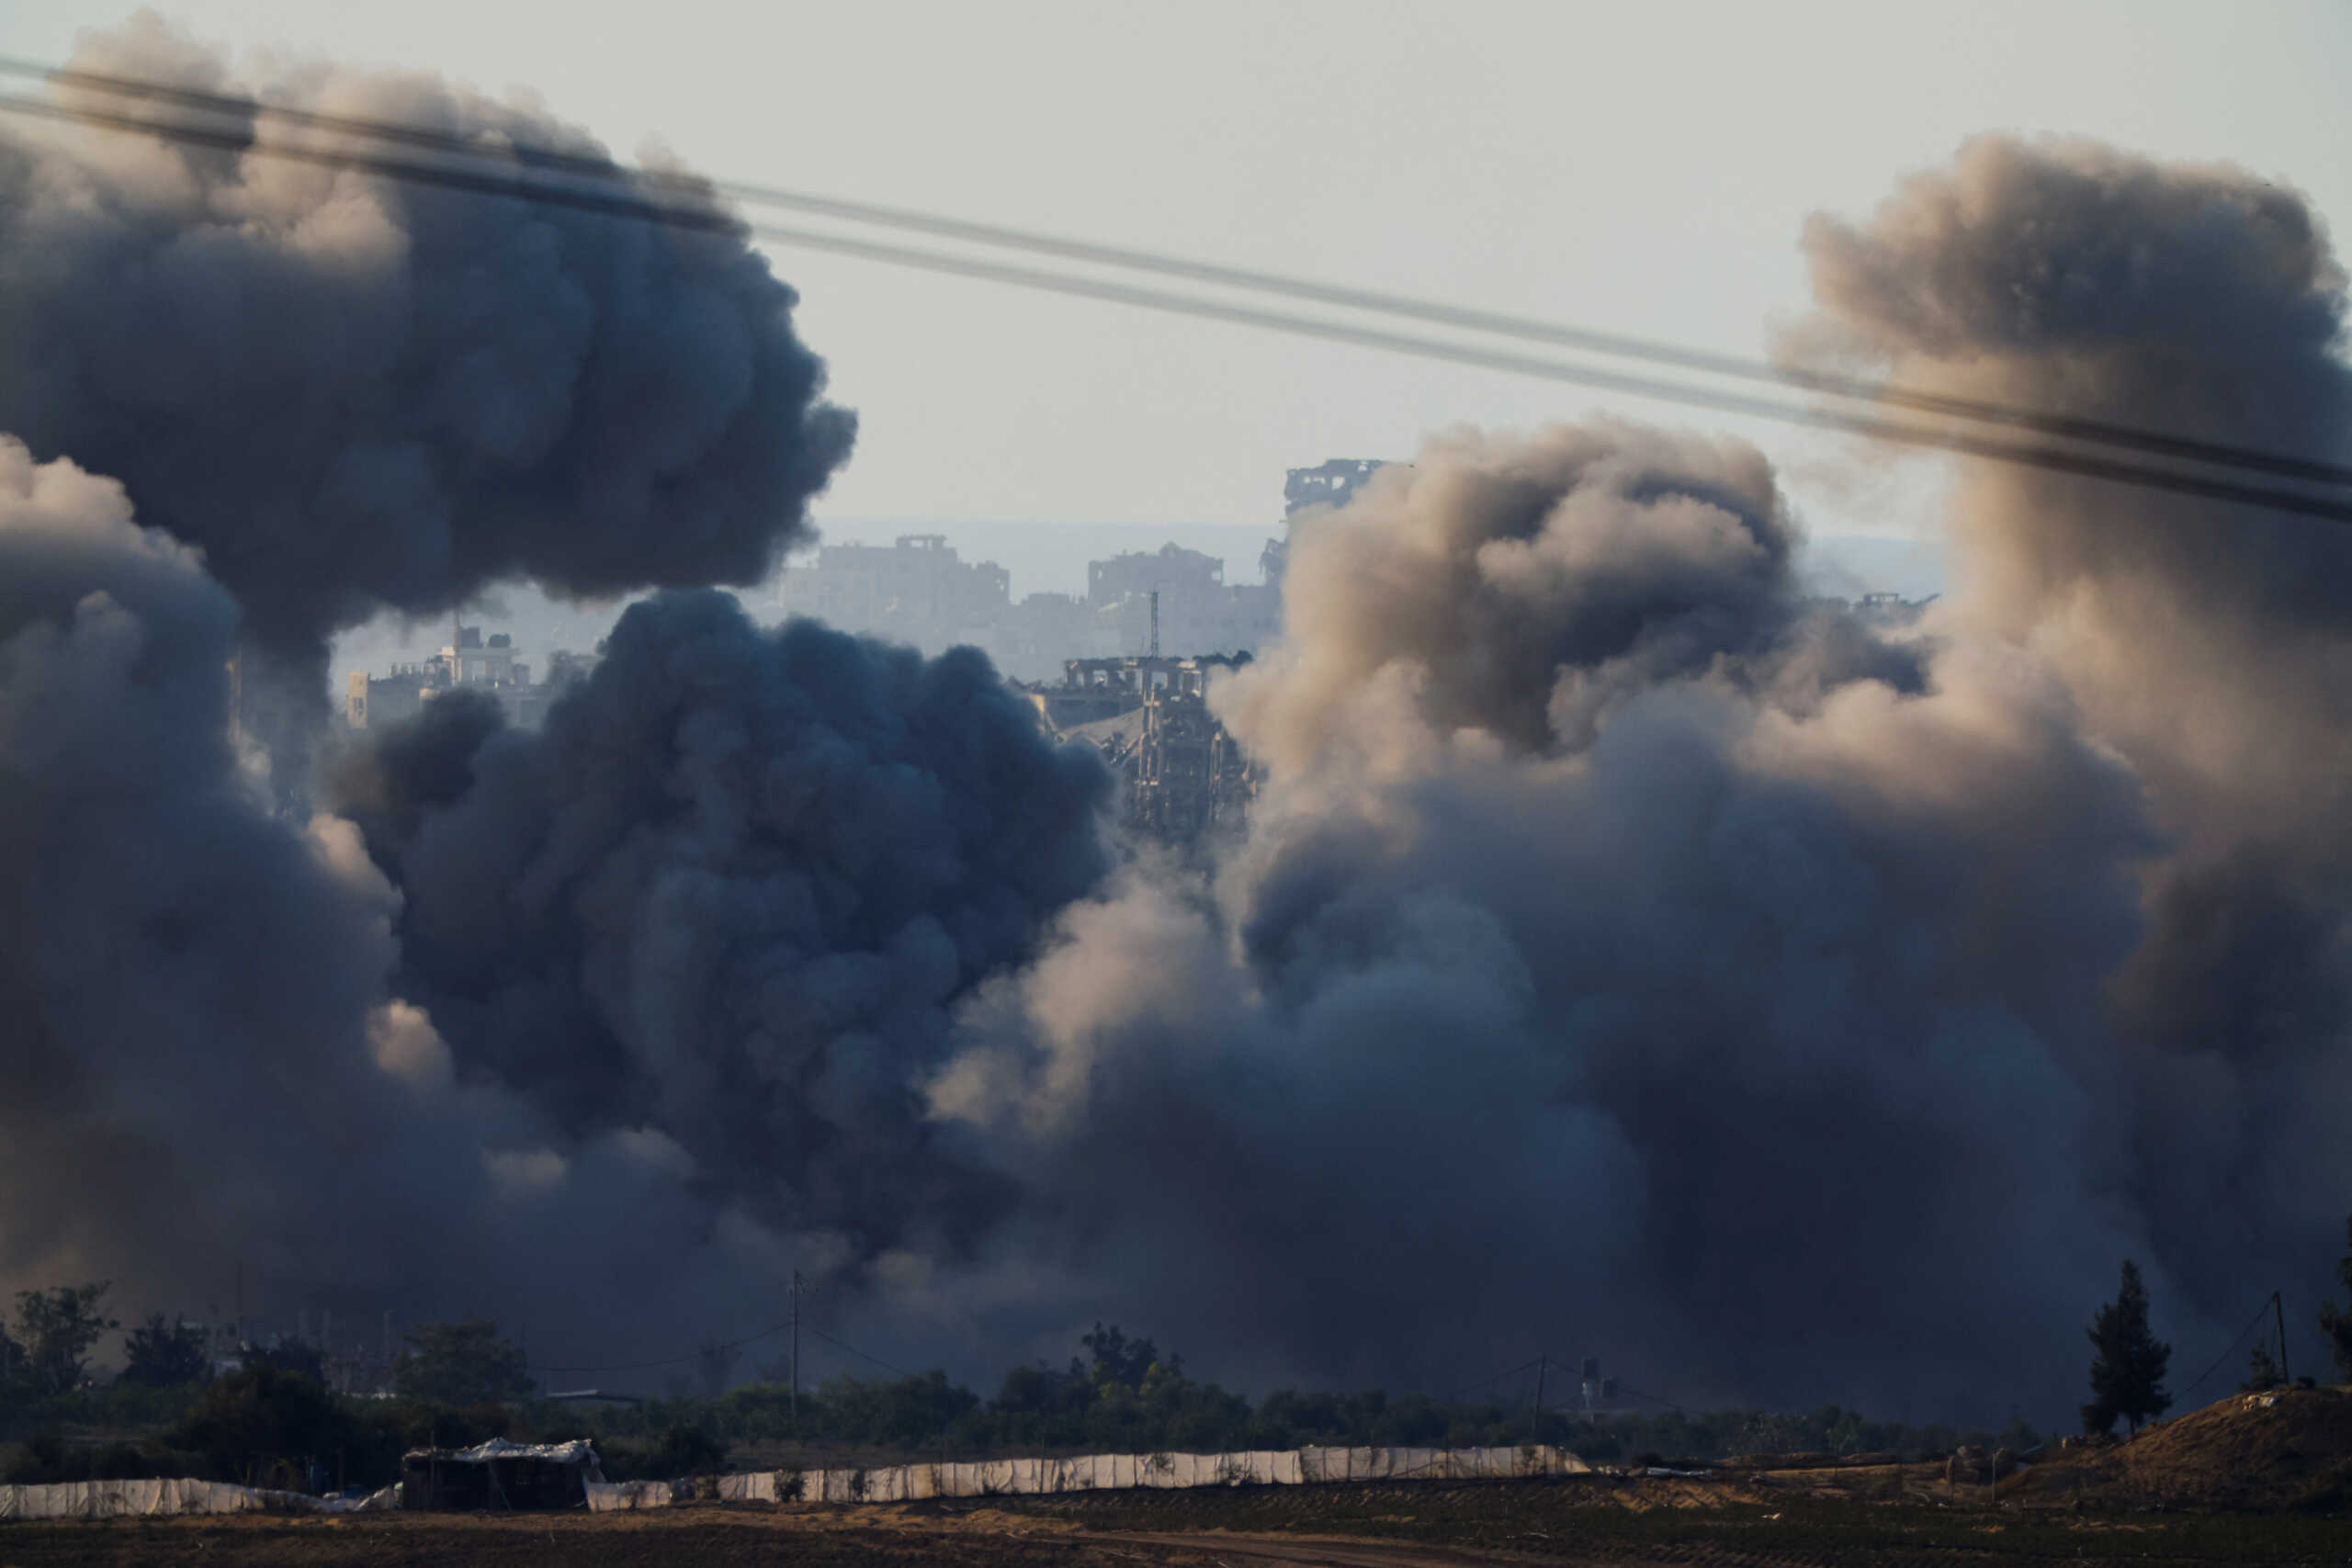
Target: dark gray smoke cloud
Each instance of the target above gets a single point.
(212, 1072)
(733, 892)
(358, 395)
(189, 984)
(324, 394)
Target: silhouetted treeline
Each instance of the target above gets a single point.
(1125, 1398)
(274, 1423)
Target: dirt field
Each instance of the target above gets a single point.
(1762, 1519)
(2252, 1479)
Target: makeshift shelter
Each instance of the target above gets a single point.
(498, 1476)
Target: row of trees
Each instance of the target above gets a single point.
(45, 1354)
(266, 1425)
(1124, 1395)
(458, 1382)
(274, 1421)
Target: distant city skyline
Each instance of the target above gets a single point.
(1043, 558)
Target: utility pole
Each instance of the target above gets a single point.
(1543, 1365)
(1155, 623)
(2278, 1306)
(795, 1352)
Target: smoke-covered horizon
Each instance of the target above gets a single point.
(1629, 954)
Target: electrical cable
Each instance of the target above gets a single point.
(677, 1360)
(1485, 1383)
(2079, 464)
(844, 1345)
(726, 1345)
(2258, 1316)
(1653, 1398)
(2065, 426)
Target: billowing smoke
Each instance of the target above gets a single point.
(733, 892)
(1627, 954)
(321, 395)
(1628, 957)
(357, 395)
(1680, 982)
(209, 1074)
(2205, 645)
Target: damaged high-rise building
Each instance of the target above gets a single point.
(1181, 774)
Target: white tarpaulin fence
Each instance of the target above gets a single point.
(120, 1499)
(890, 1484)
(1108, 1472)
(617, 1497)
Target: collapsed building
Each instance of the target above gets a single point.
(1182, 775)
(498, 1476)
(1327, 485)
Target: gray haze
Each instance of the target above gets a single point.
(1626, 956)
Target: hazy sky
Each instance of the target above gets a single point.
(1641, 168)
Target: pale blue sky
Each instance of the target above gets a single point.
(1643, 168)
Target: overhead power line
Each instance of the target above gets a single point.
(721, 1348)
(861, 1355)
(1489, 1382)
(536, 157)
(479, 175)
(2227, 1351)
(726, 1345)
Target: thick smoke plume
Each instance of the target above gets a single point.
(212, 1071)
(733, 892)
(322, 395)
(2205, 645)
(357, 395)
(1688, 979)
(1627, 955)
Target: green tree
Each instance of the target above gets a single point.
(2129, 1361)
(299, 1357)
(58, 1328)
(164, 1355)
(460, 1363)
(2337, 1326)
(1121, 1362)
(258, 1425)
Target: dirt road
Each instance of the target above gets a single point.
(1588, 1524)
(1306, 1551)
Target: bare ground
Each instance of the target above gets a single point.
(2264, 1479)
(1760, 1520)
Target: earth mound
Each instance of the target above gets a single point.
(2283, 1449)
